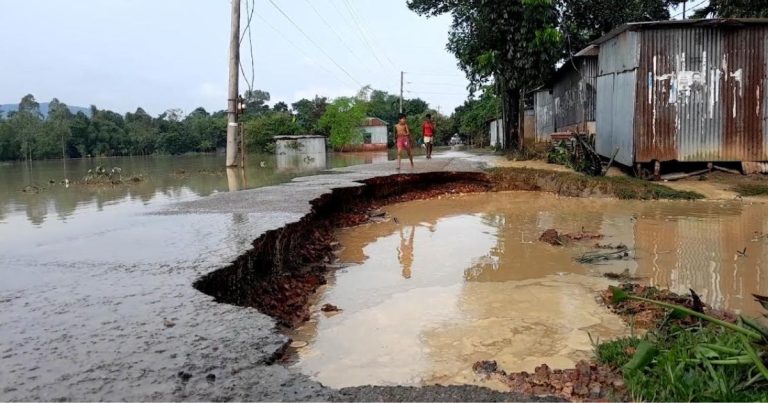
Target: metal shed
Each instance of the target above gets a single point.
(690, 90)
(569, 102)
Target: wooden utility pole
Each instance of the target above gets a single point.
(234, 63)
(402, 73)
(685, 3)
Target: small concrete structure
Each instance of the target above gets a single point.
(300, 153)
(309, 144)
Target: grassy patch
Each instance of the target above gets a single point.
(692, 364)
(751, 189)
(691, 355)
(573, 184)
(617, 352)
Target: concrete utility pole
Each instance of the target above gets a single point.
(402, 73)
(234, 63)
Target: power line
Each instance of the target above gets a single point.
(297, 47)
(356, 18)
(692, 9)
(361, 33)
(327, 24)
(250, 12)
(309, 38)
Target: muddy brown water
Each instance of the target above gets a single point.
(461, 279)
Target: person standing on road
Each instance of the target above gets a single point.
(403, 138)
(428, 130)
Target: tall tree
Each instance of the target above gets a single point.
(308, 114)
(514, 43)
(59, 118)
(586, 20)
(343, 119)
(734, 9)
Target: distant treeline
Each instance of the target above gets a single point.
(26, 134)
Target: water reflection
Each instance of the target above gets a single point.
(166, 179)
(481, 286)
(405, 251)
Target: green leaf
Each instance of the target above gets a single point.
(754, 324)
(618, 295)
(644, 354)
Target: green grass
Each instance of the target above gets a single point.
(751, 189)
(617, 352)
(572, 184)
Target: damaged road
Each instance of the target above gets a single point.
(95, 327)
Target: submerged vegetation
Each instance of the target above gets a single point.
(573, 184)
(690, 355)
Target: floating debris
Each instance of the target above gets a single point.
(552, 237)
(298, 344)
(623, 276)
(595, 257)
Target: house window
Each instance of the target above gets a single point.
(367, 137)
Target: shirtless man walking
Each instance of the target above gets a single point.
(403, 138)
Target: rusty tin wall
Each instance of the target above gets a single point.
(543, 106)
(574, 93)
(700, 93)
(616, 83)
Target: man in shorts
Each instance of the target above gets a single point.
(403, 139)
(428, 130)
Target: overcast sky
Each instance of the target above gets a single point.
(161, 54)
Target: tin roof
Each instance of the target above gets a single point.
(718, 22)
(373, 121)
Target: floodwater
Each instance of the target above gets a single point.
(96, 296)
(167, 179)
(462, 279)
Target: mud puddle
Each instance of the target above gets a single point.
(442, 284)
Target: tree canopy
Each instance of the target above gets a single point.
(734, 9)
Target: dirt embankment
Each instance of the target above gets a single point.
(576, 185)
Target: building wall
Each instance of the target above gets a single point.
(544, 106)
(701, 95)
(300, 145)
(696, 93)
(575, 93)
(378, 134)
(615, 112)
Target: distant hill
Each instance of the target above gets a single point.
(5, 109)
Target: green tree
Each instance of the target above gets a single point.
(59, 117)
(260, 131)
(142, 132)
(208, 132)
(343, 119)
(256, 102)
(308, 114)
(514, 43)
(586, 20)
(280, 107)
(734, 9)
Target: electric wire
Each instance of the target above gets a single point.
(309, 38)
(301, 50)
(357, 21)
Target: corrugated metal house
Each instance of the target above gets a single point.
(690, 90)
(568, 105)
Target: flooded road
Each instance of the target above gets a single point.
(96, 296)
(463, 279)
(166, 179)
